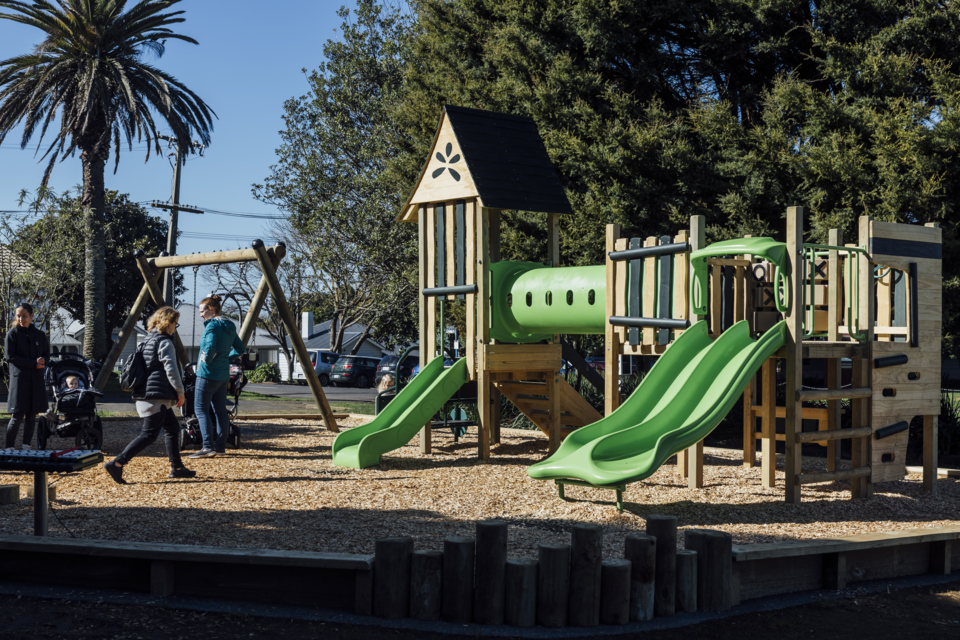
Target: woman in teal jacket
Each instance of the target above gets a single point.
(218, 343)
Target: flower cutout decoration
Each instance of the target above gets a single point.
(447, 160)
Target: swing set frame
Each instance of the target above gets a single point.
(268, 258)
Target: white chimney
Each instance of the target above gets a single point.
(306, 325)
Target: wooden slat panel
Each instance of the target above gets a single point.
(681, 283)
(620, 300)
(461, 236)
(664, 289)
(611, 342)
(635, 268)
(649, 289)
(430, 303)
(909, 232)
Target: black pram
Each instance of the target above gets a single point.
(190, 435)
(74, 413)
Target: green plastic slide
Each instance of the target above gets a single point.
(406, 414)
(687, 393)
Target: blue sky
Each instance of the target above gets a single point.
(249, 61)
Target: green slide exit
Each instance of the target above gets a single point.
(361, 447)
(683, 398)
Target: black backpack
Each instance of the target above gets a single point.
(134, 372)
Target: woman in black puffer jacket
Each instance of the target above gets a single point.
(27, 350)
(162, 391)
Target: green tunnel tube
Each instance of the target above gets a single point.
(530, 302)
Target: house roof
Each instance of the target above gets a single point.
(11, 263)
(320, 336)
(497, 156)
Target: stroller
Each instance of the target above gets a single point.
(190, 435)
(74, 413)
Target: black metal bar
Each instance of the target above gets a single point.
(40, 503)
(656, 323)
(441, 244)
(449, 291)
(914, 306)
(890, 361)
(891, 430)
(633, 297)
(727, 274)
(646, 252)
(666, 261)
(461, 226)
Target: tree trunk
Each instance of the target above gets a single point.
(363, 338)
(95, 292)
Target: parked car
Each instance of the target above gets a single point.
(389, 365)
(358, 371)
(322, 362)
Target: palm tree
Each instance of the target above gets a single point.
(90, 70)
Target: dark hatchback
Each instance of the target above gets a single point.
(389, 365)
(357, 371)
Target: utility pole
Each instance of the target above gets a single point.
(174, 208)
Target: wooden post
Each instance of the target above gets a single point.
(555, 426)
(834, 314)
(714, 567)
(484, 386)
(930, 453)
(586, 557)
(427, 223)
(749, 424)
(449, 229)
(9, 494)
(125, 332)
(664, 529)
(521, 593)
(470, 303)
(686, 580)
(553, 239)
(259, 298)
(491, 569)
(611, 374)
(834, 373)
(280, 300)
(794, 349)
(615, 591)
(391, 576)
(150, 278)
(426, 568)
(862, 454)
(641, 551)
(161, 578)
(694, 457)
(458, 560)
(768, 424)
(553, 584)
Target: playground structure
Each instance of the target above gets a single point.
(268, 258)
(735, 306)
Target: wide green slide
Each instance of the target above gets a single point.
(361, 447)
(683, 398)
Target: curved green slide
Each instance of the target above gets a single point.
(687, 393)
(361, 447)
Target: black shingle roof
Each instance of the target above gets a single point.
(508, 161)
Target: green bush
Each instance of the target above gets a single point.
(266, 372)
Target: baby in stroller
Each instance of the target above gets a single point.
(190, 435)
(74, 415)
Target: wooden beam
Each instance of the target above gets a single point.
(833, 434)
(484, 384)
(280, 300)
(930, 453)
(553, 239)
(554, 426)
(214, 257)
(256, 305)
(863, 487)
(794, 345)
(834, 377)
(694, 475)
(157, 295)
(425, 328)
(749, 424)
(768, 423)
(611, 391)
(126, 331)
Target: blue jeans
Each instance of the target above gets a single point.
(210, 405)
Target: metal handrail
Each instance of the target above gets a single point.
(810, 254)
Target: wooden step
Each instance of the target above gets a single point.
(530, 398)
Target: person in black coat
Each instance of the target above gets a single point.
(27, 350)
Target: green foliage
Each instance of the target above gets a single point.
(265, 372)
(330, 177)
(53, 246)
(734, 109)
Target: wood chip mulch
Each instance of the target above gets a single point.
(281, 491)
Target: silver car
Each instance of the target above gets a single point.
(322, 362)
